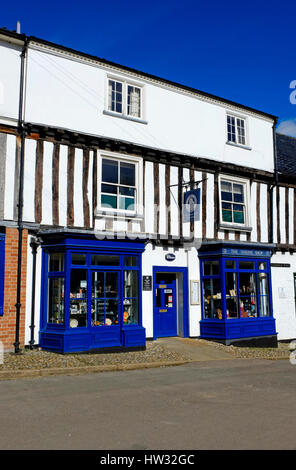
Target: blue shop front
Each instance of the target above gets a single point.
(91, 294)
(236, 294)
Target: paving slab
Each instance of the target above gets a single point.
(195, 349)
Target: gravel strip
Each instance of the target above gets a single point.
(154, 352)
(281, 352)
(45, 360)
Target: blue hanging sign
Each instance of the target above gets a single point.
(191, 205)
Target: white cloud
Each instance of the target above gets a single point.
(287, 127)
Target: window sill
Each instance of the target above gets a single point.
(124, 116)
(235, 227)
(246, 147)
(118, 214)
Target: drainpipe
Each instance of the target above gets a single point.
(22, 135)
(34, 245)
(276, 179)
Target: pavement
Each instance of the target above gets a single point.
(179, 351)
(196, 350)
(216, 404)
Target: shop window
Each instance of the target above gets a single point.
(245, 293)
(130, 300)
(263, 283)
(56, 288)
(212, 298)
(78, 298)
(105, 297)
(231, 295)
(248, 295)
(56, 300)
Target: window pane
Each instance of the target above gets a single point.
(264, 294)
(238, 214)
(246, 265)
(98, 285)
(126, 191)
(130, 261)
(111, 312)
(238, 190)
(130, 283)
(248, 295)
(264, 305)
(211, 268)
(247, 283)
(78, 258)
(105, 260)
(109, 171)
(97, 312)
(226, 212)
(111, 288)
(230, 264)
(226, 191)
(127, 174)
(108, 188)
(56, 262)
(55, 300)
(127, 203)
(130, 312)
(212, 299)
(231, 295)
(78, 298)
(133, 101)
(109, 201)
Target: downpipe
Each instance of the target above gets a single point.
(22, 135)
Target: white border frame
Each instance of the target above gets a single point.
(138, 161)
(246, 183)
(247, 130)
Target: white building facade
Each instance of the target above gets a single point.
(106, 161)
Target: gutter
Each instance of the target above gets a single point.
(21, 133)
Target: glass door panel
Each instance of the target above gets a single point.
(105, 298)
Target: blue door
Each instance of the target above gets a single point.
(165, 305)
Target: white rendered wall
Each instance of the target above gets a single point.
(283, 295)
(155, 256)
(9, 82)
(73, 96)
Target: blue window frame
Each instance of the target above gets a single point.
(236, 293)
(92, 291)
(2, 268)
(236, 288)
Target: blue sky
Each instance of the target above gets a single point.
(243, 51)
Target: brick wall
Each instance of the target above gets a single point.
(7, 321)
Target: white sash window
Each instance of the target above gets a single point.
(124, 99)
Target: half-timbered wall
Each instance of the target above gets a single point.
(61, 185)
